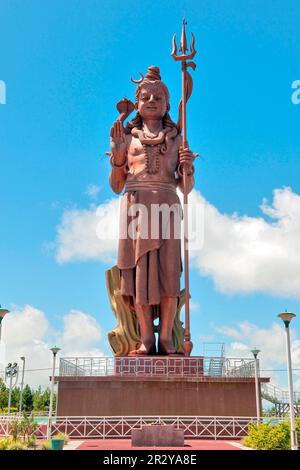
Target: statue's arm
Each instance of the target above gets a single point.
(185, 157)
(117, 179)
(118, 160)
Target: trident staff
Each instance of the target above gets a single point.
(187, 86)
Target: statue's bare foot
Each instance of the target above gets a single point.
(147, 348)
(165, 346)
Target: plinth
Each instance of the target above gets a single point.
(157, 435)
(156, 386)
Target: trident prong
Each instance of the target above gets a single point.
(183, 46)
(183, 40)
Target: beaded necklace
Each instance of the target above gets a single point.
(154, 146)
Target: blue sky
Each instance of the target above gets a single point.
(67, 63)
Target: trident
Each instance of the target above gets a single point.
(187, 86)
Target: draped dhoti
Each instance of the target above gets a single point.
(149, 253)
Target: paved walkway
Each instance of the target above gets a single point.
(125, 444)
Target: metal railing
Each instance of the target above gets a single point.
(117, 427)
(152, 366)
(277, 395)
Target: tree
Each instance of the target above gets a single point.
(38, 404)
(33, 400)
(46, 399)
(27, 399)
(3, 394)
(41, 399)
(15, 397)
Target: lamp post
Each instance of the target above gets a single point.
(3, 312)
(287, 317)
(11, 371)
(54, 350)
(255, 353)
(22, 384)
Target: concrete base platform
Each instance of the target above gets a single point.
(156, 396)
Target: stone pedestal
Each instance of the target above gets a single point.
(157, 436)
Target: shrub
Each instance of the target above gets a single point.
(28, 427)
(25, 428)
(14, 429)
(46, 445)
(17, 445)
(31, 441)
(298, 429)
(63, 436)
(266, 436)
(4, 443)
(13, 410)
(10, 443)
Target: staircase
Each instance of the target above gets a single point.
(280, 398)
(217, 362)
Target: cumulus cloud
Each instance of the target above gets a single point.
(27, 332)
(89, 234)
(250, 254)
(80, 334)
(271, 342)
(240, 253)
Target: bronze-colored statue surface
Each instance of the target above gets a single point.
(146, 157)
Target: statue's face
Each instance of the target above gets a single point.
(152, 103)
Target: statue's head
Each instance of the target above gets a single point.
(152, 96)
(152, 101)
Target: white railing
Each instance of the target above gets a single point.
(117, 427)
(277, 395)
(153, 366)
(34, 414)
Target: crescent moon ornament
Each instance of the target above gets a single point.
(139, 80)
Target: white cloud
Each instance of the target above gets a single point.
(228, 331)
(271, 342)
(27, 332)
(240, 253)
(89, 234)
(250, 254)
(92, 191)
(80, 333)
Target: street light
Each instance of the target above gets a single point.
(22, 384)
(255, 353)
(54, 350)
(11, 371)
(287, 317)
(3, 312)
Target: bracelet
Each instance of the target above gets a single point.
(181, 168)
(114, 165)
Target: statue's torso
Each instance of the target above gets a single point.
(149, 163)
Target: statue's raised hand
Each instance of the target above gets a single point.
(117, 133)
(118, 142)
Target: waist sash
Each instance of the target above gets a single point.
(149, 186)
